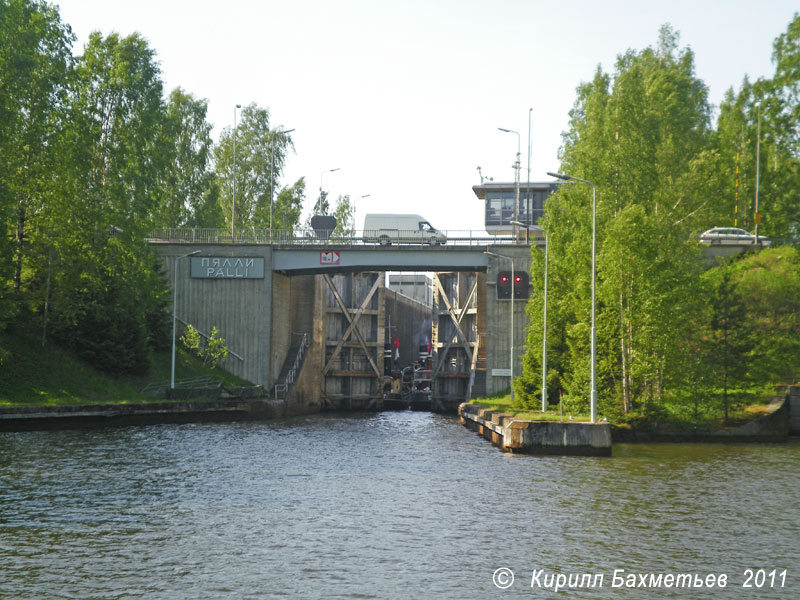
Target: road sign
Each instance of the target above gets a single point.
(330, 257)
(501, 372)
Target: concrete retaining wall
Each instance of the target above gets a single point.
(497, 340)
(793, 400)
(240, 309)
(33, 418)
(538, 437)
(772, 427)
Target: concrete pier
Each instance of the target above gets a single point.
(537, 437)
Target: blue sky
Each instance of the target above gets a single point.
(405, 98)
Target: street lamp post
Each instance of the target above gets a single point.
(233, 210)
(758, 164)
(174, 314)
(528, 194)
(319, 202)
(279, 131)
(511, 304)
(544, 327)
(593, 401)
(516, 178)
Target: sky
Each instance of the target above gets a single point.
(405, 98)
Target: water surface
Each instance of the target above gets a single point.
(388, 505)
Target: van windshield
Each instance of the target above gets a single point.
(425, 226)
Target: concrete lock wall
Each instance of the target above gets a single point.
(239, 307)
(537, 437)
(261, 318)
(498, 317)
(409, 321)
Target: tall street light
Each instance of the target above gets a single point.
(233, 212)
(174, 314)
(319, 202)
(511, 304)
(280, 131)
(544, 326)
(528, 194)
(593, 402)
(758, 164)
(516, 178)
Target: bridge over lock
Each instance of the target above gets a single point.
(314, 321)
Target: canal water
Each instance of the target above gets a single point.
(388, 505)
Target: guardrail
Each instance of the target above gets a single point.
(307, 237)
(292, 374)
(159, 388)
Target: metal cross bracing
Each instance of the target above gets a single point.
(353, 340)
(456, 337)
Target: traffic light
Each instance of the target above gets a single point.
(520, 285)
(504, 285)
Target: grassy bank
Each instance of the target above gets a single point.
(502, 402)
(49, 375)
(752, 404)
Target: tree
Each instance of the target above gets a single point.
(344, 213)
(643, 138)
(190, 192)
(730, 339)
(288, 206)
(35, 58)
(768, 284)
(211, 350)
(773, 107)
(260, 157)
(105, 294)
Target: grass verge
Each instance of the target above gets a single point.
(48, 375)
(680, 415)
(503, 403)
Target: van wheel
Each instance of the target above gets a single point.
(384, 240)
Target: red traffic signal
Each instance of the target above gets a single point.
(520, 285)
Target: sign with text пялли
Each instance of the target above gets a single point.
(227, 267)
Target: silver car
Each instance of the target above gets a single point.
(731, 236)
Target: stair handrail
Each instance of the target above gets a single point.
(292, 374)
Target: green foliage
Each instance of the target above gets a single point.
(51, 375)
(344, 213)
(191, 195)
(210, 350)
(729, 338)
(777, 118)
(260, 154)
(288, 206)
(769, 286)
(666, 338)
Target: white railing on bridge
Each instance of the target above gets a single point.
(305, 237)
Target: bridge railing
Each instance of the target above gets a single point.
(308, 237)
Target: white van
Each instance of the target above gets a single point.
(407, 229)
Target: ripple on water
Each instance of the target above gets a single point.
(390, 505)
